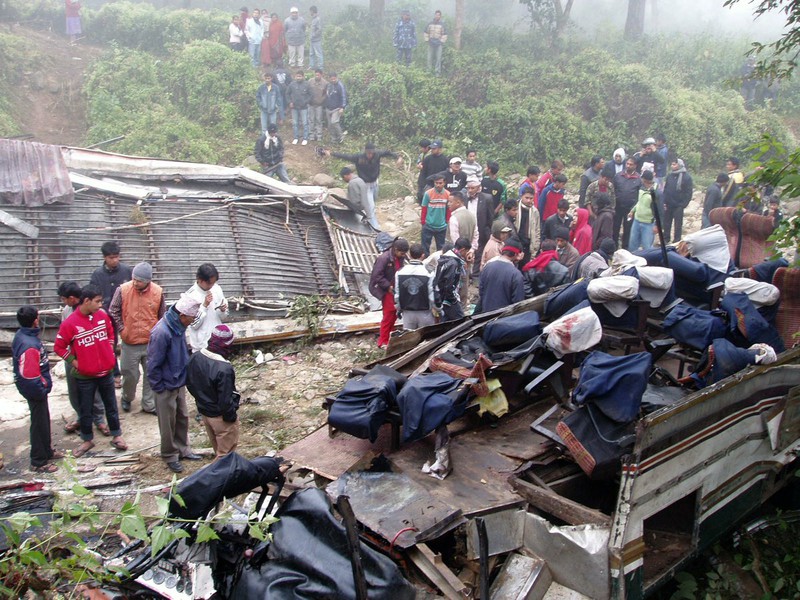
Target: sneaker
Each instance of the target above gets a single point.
(126, 406)
(192, 456)
(175, 466)
(304, 143)
(294, 142)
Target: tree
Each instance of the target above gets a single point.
(459, 26)
(548, 15)
(634, 23)
(785, 51)
(376, 9)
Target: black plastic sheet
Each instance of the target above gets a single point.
(309, 558)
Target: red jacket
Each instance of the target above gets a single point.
(89, 339)
(582, 234)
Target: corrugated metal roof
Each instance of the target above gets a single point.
(268, 244)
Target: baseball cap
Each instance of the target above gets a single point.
(648, 141)
(456, 159)
(436, 144)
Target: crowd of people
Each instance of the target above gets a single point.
(521, 247)
(172, 349)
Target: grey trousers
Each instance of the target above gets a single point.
(131, 357)
(173, 424)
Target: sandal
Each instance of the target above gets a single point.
(72, 427)
(103, 428)
(46, 468)
(119, 443)
(82, 449)
(58, 455)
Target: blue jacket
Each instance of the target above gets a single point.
(269, 100)
(32, 377)
(167, 354)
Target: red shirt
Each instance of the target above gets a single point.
(89, 339)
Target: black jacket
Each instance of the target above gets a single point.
(369, 169)
(453, 182)
(432, 164)
(678, 197)
(448, 276)
(270, 154)
(108, 281)
(485, 217)
(212, 381)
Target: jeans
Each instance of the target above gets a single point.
(404, 56)
(315, 55)
(641, 235)
(41, 446)
(280, 171)
(254, 50)
(315, 122)
(415, 319)
(98, 411)
(435, 58)
(429, 234)
(673, 214)
(132, 357)
(173, 424)
(296, 55)
(452, 312)
(87, 387)
(370, 210)
(300, 116)
(334, 127)
(268, 118)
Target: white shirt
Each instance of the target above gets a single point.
(208, 317)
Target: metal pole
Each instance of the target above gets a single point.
(657, 217)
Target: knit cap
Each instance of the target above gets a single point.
(143, 272)
(221, 337)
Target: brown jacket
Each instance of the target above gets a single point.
(136, 313)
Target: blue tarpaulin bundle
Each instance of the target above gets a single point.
(505, 333)
(746, 325)
(428, 401)
(694, 327)
(362, 406)
(560, 302)
(614, 384)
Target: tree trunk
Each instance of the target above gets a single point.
(634, 24)
(562, 15)
(377, 8)
(459, 24)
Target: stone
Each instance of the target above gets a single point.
(323, 179)
(310, 394)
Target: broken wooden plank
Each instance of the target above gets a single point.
(565, 509)
(437, 572)
(19, 225)
(270, 330)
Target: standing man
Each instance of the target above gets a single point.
(602, 186)
(368, 167)
(529, 183)
(69, 293)
(529, 226)
(335, 103)
(713, 197)
(734, 172)
(560, 219)
(208, 293)
(315, 60)
(358, 194)
(589, 176)
(72, 11)
(86, 341)
(678, 189)
(269, 98)
(494, 186)
(136, 308)
(661, 168)
(449, 291)
(556, 167)
(648, 158)
(502, 283)
(500, 233)
(434, 215)
(480, 205)
(433, 163)
(436, 36)
(641, 216)
(32, 378)
(294, 28)
(381, 285)
(551, 195)
(254, 32)
(626, 191)
(211, 380)
(405, 38)
(167, 357)
(108, 278)
(413, 291)
(462, 223)
(317, 86)
(471, 167)
(568, 255)
(269, 153)
(299, 95)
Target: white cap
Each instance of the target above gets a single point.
(456, 159)
(293, 9)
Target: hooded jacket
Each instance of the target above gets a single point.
(167, 353)
(582, 234)
(211, 380)
(31, 366)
